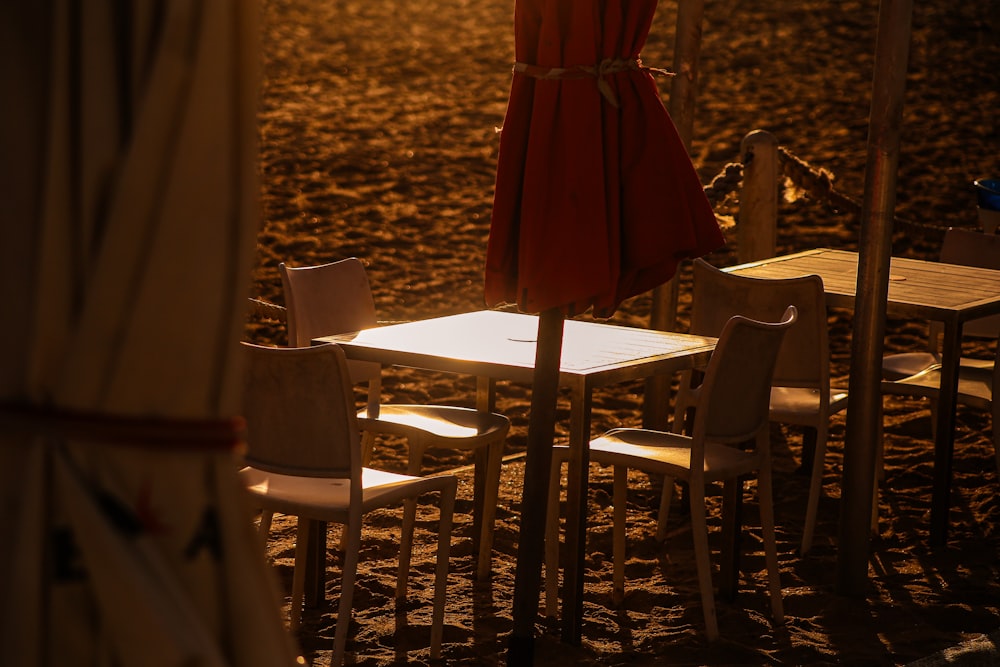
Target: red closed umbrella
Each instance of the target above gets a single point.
(596, 201)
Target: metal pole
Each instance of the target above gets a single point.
(683, 91)
(534, 492)
(875, 249)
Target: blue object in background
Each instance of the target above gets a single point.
(988, 193)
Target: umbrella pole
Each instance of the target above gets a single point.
(875, 245)
(534, 494)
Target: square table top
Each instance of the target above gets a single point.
(917, 288)
(502, 345)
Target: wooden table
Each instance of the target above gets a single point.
(495, 345)
(947, 293)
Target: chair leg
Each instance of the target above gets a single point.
(699, 531)
(367, 446)
(415, 448)
(815, 488)
(764, 499)
(666, 496)
(373, 407)
(406, 547)
(264, 528)
(416, 456)
(490, 495)
(683, 414)
(353, 532)
(683, 408)
(446, 512)
(342, 541)
(618, 566)
(552, 539)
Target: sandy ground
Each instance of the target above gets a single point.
(378, 140)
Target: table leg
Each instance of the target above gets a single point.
(485, 402)
(478, 498)
(576, 515)
(809, 437)
(656, 403)
(486, 394)
(944, 436)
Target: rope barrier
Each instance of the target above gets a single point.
(816, 183)
(265, 310)
(725, 183)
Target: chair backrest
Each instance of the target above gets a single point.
(329, 299)
(995, 404)
(299, 408)
(969, 247)
(326, 299)
(804, 360)
(735, 395)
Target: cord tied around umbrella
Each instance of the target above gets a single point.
(598, 72)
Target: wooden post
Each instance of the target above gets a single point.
(683, 91)
(875, 249)
(684, 85)
(757, 227)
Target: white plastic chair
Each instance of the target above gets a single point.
(304, 459)
(801, 393)
(336, 298)
(965, 247)
(732, 410)
(919, 373)
(976, 387)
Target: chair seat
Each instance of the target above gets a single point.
(975, 386)
(328, 498)
(669, 454)
(462, 427)
(801, 405)
(976, 382)
(905, 364)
